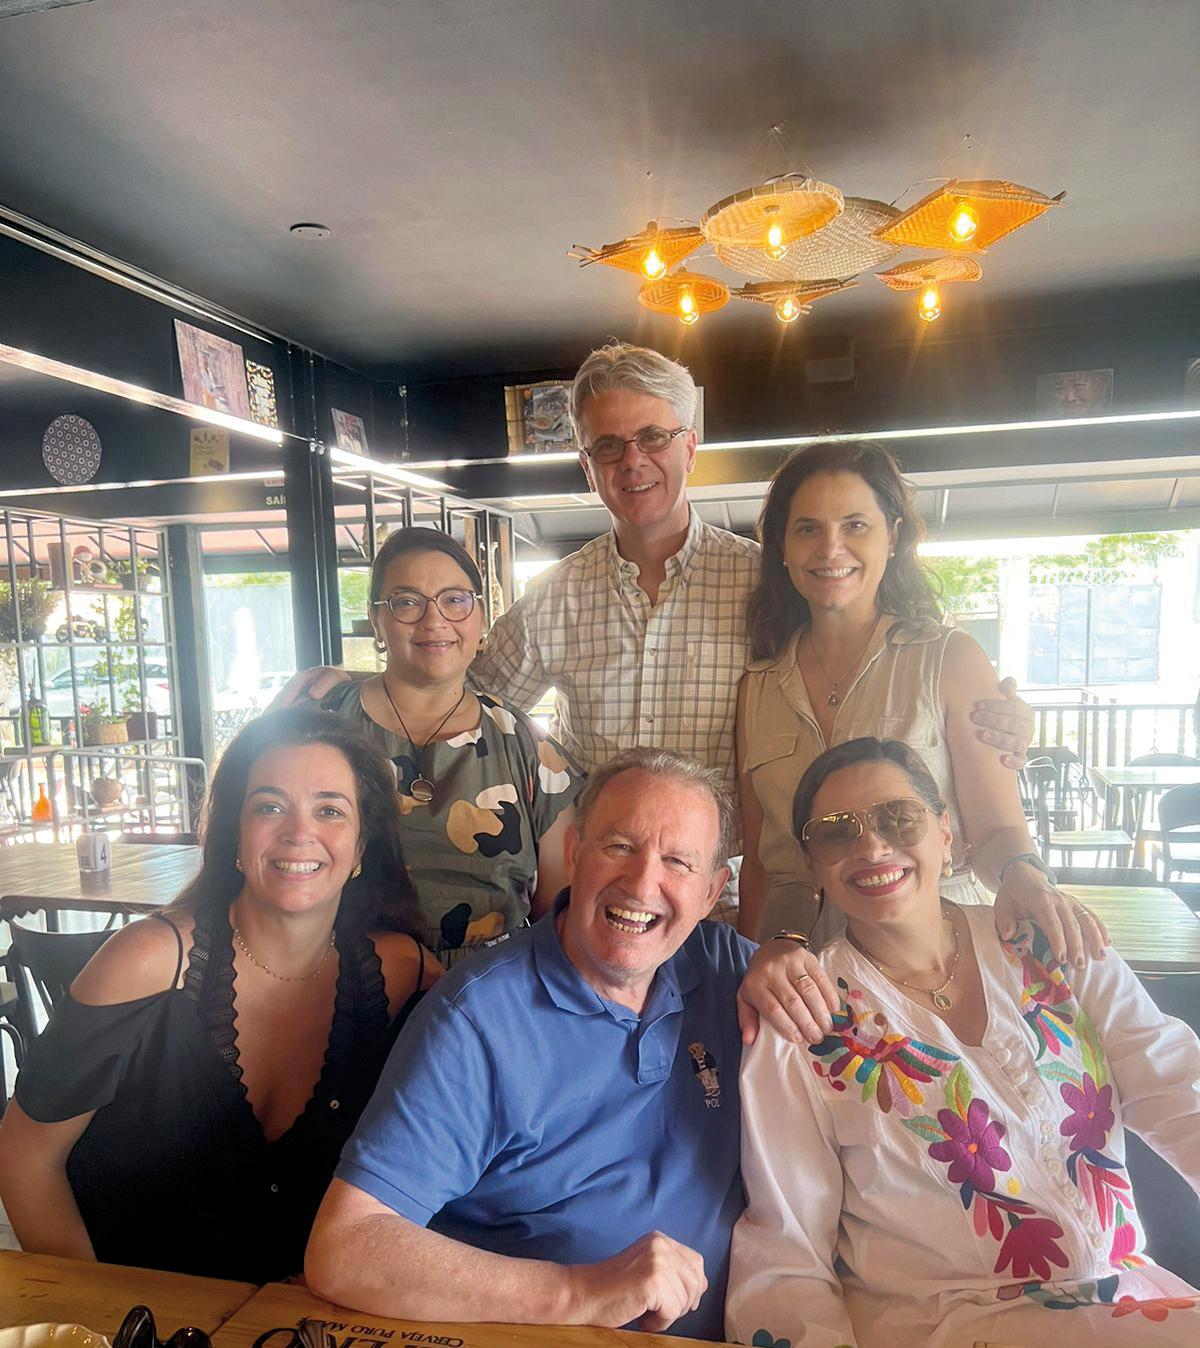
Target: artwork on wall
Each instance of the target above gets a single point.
(213, 370)
(350, 431)
(1075, 393)
(539, 419)
(71, 450)
(260, 379)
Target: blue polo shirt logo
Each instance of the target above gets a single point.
(705, 1067)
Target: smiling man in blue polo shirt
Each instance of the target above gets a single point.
(555, 1138)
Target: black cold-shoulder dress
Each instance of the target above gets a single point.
(174, 1171)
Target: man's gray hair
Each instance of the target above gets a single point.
(634, 369)
(676, 767)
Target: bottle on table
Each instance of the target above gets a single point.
(38, 715)
(43, 811)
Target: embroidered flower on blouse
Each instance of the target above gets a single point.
(1091, 1114)
(890, 1068)
(972, 1146)
(1155, 1308)
(1030, 1247)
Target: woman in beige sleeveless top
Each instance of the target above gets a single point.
(845, 642)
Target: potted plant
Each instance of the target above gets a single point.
(139, 724)
(35, 601)
(101, 727)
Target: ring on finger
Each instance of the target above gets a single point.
(804, 978)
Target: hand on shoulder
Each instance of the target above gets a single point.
(311, 684)
(136, 961)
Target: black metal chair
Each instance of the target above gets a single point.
(43, 965)
(1150, 832)
(1178, 818)
(9, 1002)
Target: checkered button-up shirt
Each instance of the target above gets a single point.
(627, 672)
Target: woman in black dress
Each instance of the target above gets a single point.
(186, 1105)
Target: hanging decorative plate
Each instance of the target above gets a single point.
(665, 296)
(844, 247)
(989, 208)
(804, 293)
(939, 270)
(797, 206)
(670, 246)
(71, 450)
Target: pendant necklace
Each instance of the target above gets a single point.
(833, 699)
(422, 788)
(938, 996)
(284, 978)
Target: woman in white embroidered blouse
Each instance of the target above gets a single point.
(947, 1165)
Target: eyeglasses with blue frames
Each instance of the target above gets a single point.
(408, 606)
(650, 440)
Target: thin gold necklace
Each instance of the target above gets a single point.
(422, 788)
(833, 699)
(938, 996)
(283, 978)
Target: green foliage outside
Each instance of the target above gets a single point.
(970, 583)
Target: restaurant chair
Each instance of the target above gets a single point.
(1042, 777)
(1179, 839)
(1148, 830)
(9, 1001)
(43, 965)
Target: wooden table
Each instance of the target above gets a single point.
(1152, 928)
(280, 1306)
(38, 1287)
(143, 877)
(1133, 786)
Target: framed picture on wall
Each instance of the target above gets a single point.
(539, 418)
(213, 371)
(1075, 393)
(351, 432)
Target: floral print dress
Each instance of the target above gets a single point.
(905, 1188)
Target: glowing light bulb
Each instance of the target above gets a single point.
(786, 309)
(775, 247)
(688, 313)
(652, 265)
(930, 306)
(963, 223)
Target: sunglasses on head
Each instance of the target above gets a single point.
(902, 822)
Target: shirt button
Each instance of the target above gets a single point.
(1047, 1128)
(1002, 1056)
(649, 719)
(1019, 1075)
(274, 1188)
(335, 1104)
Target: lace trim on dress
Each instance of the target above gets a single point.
(359, 1009)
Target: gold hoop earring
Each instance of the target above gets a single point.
(948, 868)
(357, 871)
(237, 861)
(380, 646)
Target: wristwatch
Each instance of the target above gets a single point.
(1034, 860)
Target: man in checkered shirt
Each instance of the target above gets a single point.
(641, 632)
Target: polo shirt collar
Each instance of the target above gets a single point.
(677, 565)
(569, 990)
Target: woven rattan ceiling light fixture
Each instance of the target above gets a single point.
(800, 240)
(686, 294)
(971, 216)
(925, 275)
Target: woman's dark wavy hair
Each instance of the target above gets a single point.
(864, 750)
(416, 538)
(382, 896)
(777, 610)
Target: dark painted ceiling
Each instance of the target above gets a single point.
(457, 148)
